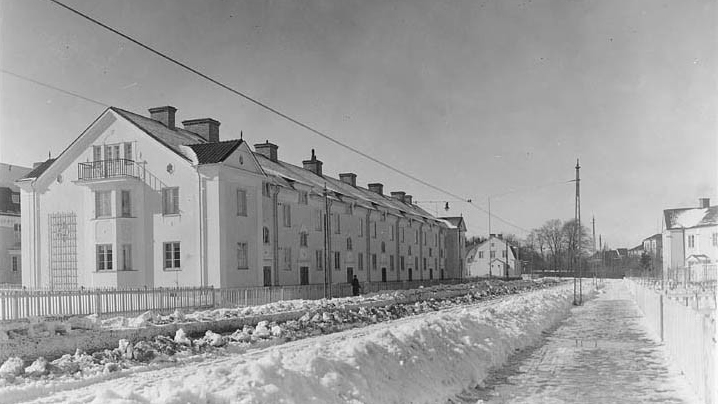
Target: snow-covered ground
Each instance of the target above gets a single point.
(430, 357)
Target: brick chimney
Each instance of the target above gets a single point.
(398, 195)
(208, 128)
(348, 178)
(704, 202)
(407, 199)
(313, 165)
(377, 188)
(266, 149)
(164, 115)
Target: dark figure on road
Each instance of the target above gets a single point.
(355, 286)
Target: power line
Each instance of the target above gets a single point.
(39, 83)
(267, 107)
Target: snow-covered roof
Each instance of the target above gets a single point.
(691, 217)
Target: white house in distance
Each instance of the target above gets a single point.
(136, 201)
(10, 257)
(494, 257)
(690, 239)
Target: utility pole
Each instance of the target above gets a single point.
(593, 260)
(577, 299)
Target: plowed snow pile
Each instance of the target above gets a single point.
(427, 358)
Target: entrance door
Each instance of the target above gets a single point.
(304, 275)
(431, 273)
(350, 274)
(383, 274)
(267, 276)
(112, 153)
(410, 277)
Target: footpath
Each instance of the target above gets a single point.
(603, 353)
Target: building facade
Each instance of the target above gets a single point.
(690, 239)
(136, 201)
(494, 257)
(10, 226)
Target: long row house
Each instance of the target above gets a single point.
(136, 201)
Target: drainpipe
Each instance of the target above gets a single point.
(275, 233)
(397, 267)
(202, 278)
(367, 234)
(421, 251)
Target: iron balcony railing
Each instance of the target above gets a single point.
(102, 169)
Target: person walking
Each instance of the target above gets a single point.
(355, 286)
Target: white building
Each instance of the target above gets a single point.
(10, 258)
(690, 238)
(494, 257)
(136, 201)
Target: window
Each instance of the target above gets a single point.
(436, 240)
(337, 260)
(430, 251)
(349, 244)
(288, 258)
(492, 254)
(15, 198)
(241, 202)
(383, 216)
(172, 255)
(503, 253)
(691, 241)
(424, 236)
(303, 198)
(350, 209)
(16, 228)
(401, 262)
(373, 262)
(360, 261)
(125, 203)
(402, 234)
(383, 247)
(337, 224)
(391, 233)
(242, 257)
(15, 263)
(266, 187)
(104, 257)
(287, 208)
(714, 239)
(373, 230)
(126, 264)
(320, 259)
(170, 201)
(303, 239)
(318, 225)
(361, 228)
(265, 235)
(128, 153)
(391, 263)
(96, 153)
(409, 250)
(103, 203)
(416, 263)
(481, 254)
(416, 236)
(424, 264)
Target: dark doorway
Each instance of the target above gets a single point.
(267, 276)
(383, 274)
(431, 273)
(410, 275)
(304, 275)
(350, 274)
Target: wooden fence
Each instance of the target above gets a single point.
(17, 304)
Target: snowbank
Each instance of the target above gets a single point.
(427, 358)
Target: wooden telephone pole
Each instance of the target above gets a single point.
(577, 298)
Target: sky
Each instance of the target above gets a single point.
(492, 99)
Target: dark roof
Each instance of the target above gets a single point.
(208, 153)
(691, 217)
(172, 138)
(37, 171)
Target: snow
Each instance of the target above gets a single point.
(423, 352)
(689, 217)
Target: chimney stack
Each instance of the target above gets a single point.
(348, 178)
(407, 199)
(208, 128)
(376, 188)
(164, 115)
(399, 195)
(266, 149)
(704, 202)
(313, 165)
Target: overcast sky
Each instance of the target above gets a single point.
(477, 97)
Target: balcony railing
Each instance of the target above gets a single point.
(103, 169)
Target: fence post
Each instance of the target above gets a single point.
(245, 296)
(98, 309)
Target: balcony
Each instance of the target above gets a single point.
(109, 169)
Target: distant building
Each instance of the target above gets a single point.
(455, 238)
(636, 251)
(653, 245)
(690, 239)
(495, 257)
(137, 201)
(10, 226)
